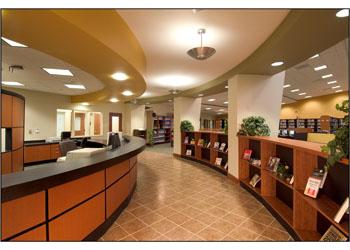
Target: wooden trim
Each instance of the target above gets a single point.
(120, 115)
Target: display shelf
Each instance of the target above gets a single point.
(308, 235)
(283, 210)
(274, 175)
(328, 209)
(256, 189)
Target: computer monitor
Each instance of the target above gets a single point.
(65, 135)
(291, 133)
(113, 140)
(284, 132)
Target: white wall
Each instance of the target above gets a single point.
(40, 112)
(185, 109)
(252, 95)
(162, 108)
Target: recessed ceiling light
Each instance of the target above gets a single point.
(308, 96)
(13, 43)
(343, 13)
(339, 90)
(314, 56)
(211, 100)
(276, 64)
(120, 76)
(221, 110)
(127, 93)
(302, 93)
(286, 85)
(170, 100)
(226, 87)
(114, 100)
(85, 103)
(60, 72)
(208, 108)
(320, 67)
(219, 113)
(200, 95)
(327, 76)
(336, 87)
(331, 82)
(7, 83)
(75, 86)
(294, 90)
(226, 102)
(283, 103)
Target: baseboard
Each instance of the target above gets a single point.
(232, 177)
(177, 155)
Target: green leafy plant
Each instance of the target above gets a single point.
(186, 126)
(225, 129)
(150, 139)
(338, 148)
(254, 125)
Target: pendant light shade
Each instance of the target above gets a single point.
(201, 53)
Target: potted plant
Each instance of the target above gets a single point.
(225, 129)
(186, 126)
(150, 140)
(254, 125)
(338, 148)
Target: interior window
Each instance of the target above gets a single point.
(63, 121)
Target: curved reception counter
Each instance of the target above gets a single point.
(69, 201)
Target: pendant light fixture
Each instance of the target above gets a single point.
(201, 53)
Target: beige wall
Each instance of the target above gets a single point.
(314, 107)
(162, 108)
(40, 112)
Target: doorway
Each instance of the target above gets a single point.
(115, 122)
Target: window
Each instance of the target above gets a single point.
(63, 121)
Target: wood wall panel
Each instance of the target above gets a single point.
(305, 216)
(37, 234)
(116, 194)
(133, 161)
(6, 111)
(115, 172)
(17, 160)
(79, 222)
(17, 138)
(23, 213)
(132, 177)
(304, 164)
(37, 153)
(54, 151)
(67, 195)
(6, 163)
(17, 112)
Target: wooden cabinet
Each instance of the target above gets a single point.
(37, 153)
(17, 160)
(17, 138)
(17, 112)
(6, 111)
(6, 163)
(54, 151)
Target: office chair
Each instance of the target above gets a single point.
(66, 146)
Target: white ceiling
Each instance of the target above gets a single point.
(304, 77)
(35, 78)
(166, 36)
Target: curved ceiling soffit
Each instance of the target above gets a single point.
(72, 37)
(301, 34)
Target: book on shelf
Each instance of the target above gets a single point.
(216, 145)
(312, 187)
(222, 147)
(247, 154)
(273, 163)
(333, 234)
(320, 174)
(218, 161)
(186, 140)
(290, 179)
(188, 152)
(342, 210)
(193, 142)
(255, 180)
(226, 166)
(255, 162)
(208, 145)
(226, 150)
(200, 142)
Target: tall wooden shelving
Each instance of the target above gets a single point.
(162, 129)
(205, 155)
(305, 217)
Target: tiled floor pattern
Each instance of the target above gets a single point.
(178, 200)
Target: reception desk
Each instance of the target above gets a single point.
(69, 201)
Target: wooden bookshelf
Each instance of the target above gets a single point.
(306, 218)
(205, 155)
(162, 129)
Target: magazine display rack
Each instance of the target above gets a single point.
(202, 152)
(304, 217)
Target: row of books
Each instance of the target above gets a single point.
(202, 143)
(218, 162)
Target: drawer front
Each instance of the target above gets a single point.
(115, 172)
(55, 151)
(37, 153)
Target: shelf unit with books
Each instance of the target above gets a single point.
(204, 151)
(304, 217)
(162, 129)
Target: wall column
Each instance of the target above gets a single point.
(252, 95)
(134, 118)
(185, 108)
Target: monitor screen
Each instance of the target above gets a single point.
(291, 132)
(284, 132)
(113, 140)
(65, 135)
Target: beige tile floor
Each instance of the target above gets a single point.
(179, 200)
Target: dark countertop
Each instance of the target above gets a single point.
(48, 175)
(38, 142)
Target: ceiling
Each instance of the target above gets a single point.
(35, 78)
(216, 107)
(304, 77)
(166, 35)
